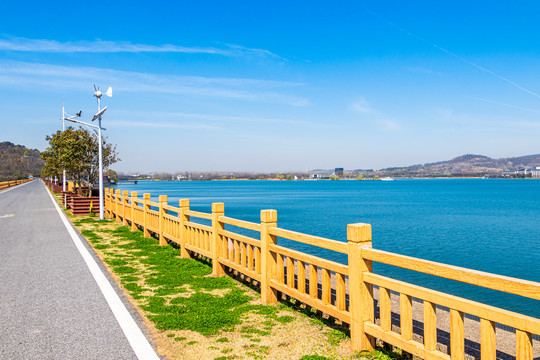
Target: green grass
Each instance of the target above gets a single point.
(385, 354)
(126, 279)
(335, 337)
(86, 221)
(166, 276)
(285, 319)
(161, 280)
(251, 330)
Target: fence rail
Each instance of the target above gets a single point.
(345, 292)
(6, 184)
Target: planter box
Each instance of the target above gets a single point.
(66, 198)
(80, 205)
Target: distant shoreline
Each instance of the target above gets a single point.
(328, 180)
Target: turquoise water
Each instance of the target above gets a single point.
(491, 225)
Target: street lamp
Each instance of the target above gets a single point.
(64, 129)
(98, 95)
(100, 112)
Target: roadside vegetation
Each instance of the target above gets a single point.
(76, 151)
(193, 315)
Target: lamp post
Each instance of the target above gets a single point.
(63, 129)
(98, 95)
(99, 128)
(100, 112)
(64, 118)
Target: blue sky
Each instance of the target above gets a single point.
(277, 85)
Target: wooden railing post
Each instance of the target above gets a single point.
(457, 335)
(133, 204)
(116, 205)
(146, 206)
(218, 209)
(360, 292)
(124, 202)
(524, 345)
(162, 211)
(111, 204)
(107, 202)
(184, 205)
(268, 261)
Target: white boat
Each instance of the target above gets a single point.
(388, 178)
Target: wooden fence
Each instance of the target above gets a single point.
(6, 184)
(345, 292)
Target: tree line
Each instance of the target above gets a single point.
(18, 162)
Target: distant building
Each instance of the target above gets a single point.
(338, 172)
(532, 171)
(508, 173)
(320, 175)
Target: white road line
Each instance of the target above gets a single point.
(14, 187)
(134, 335)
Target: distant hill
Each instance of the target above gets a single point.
(17, 161)
(466, 165)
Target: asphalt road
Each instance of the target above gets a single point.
(50, 305)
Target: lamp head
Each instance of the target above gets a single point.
(99, 113)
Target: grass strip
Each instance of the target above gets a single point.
(178, 295)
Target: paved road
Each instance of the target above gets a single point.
(50, 305)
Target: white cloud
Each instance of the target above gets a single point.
(97, 46)
(459, 122)
(418, 69)
(206, 117)
(20, 44)
(505, 104)
(23, 74)
(389, 125)
(242, 50)
(158, 124)
(362, 106)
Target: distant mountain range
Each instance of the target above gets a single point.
(465, 165)
(18, 161)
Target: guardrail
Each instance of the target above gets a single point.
(345, 292)
(6, 184)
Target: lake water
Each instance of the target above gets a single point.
(491, 225)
